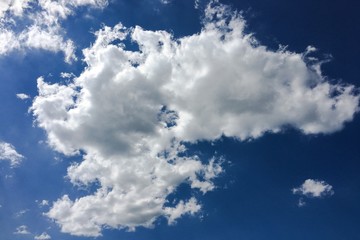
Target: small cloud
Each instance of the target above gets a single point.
(314, 188)
(22, 96)
(21, 213)
(165, 1)
(8, 176)
(191, 207)
(67, 75)
(42, 203)
(58, 159)
(22, 230)
(8, 152)
(301, 202)
(43, 236)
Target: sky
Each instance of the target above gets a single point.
(179, 119)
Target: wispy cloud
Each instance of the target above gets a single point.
(22, 230)
(21, 213)
(301, 202)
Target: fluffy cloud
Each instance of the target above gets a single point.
(8, 152)
(130, 114)
(314, 188)
(43, 236)
(22, 230)
(44, 31)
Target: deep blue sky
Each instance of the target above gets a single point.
(253, 198)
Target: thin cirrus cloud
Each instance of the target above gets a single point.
(130, 112)
(44, 31)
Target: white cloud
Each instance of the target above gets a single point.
(42, 203)
(130, 113)
(43, 236)
(190, 207)
(18, 6)
(22, 96)
(314, 188)
(8, 152)
(49, 39)
(15, 7)
(22, 230)
(8, 41)
(4, 5)
(44, 30)
(67, 75)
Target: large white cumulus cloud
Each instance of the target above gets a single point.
(130, 112)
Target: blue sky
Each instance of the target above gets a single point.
(179, 119)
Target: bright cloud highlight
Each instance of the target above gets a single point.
(132, 112)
